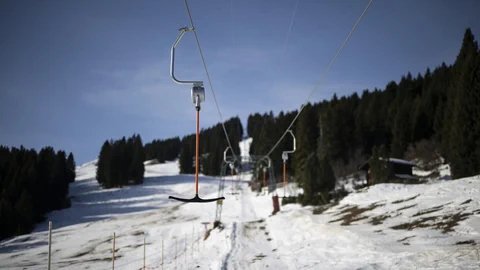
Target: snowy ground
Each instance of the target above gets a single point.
(387, 226)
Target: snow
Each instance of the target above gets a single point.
(253, 238)
(439, 173)
(245, 149)
(351, 182)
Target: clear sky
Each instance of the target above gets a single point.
(75, 73)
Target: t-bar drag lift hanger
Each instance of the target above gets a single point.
(268, 164)
(198, 96)
(231, 164)
(285, 158)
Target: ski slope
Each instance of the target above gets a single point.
(387, 226)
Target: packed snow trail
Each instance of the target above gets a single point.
(250, 246)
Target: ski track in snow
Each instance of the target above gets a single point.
(233, 245)
(250, 247)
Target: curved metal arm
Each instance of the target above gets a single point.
(285, 153)
(172, 62)
(225, 155)
(294, 143)
(267, 159)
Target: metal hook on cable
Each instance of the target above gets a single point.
(285, 158)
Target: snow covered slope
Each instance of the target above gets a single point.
(387, 226)
(82, 236)
(245, 147)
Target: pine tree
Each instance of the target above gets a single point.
(421, 126)
(307, 134)
(71, 167)
(326, 179)
(401, 130)
(24, 210)
(462, 137)
(187, 155)
(60, 181)
(32, 185)
(309, 178)
(103, 164)
(476, 114)
(379, 166)
(137, 168)
(8, 218)
(46, 160)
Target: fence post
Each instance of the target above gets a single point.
(144, 250)
(49, 244)
(113, 253)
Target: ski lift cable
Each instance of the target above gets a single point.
(290, 29)
(232, 23)
(208, 76)
(282, 55)
(321, 78)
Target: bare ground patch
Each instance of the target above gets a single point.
(429, 210)
(353, 214)
(258, 257)
(406, 207)
(379, 219)
(406, 200)
(468, 242)
(136, 233)
(444, 223)
(319, 210)
(406, 238)
(466, 202)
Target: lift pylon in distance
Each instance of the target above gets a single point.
(223, 173)
(198, 96)
(268, 168)
(285, 158)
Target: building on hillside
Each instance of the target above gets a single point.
(400, 171)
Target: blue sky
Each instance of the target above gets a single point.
(74, 73)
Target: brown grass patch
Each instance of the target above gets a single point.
(353, 214)
(258, 257)
(406, 200)
(320, 210)
(419, 223)
(406, 207)
(445, 223)
(468, 242)
(403, 239)
(379, 219)
(429, 210)
(452, 221)
(467, 201)
(136, 233)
